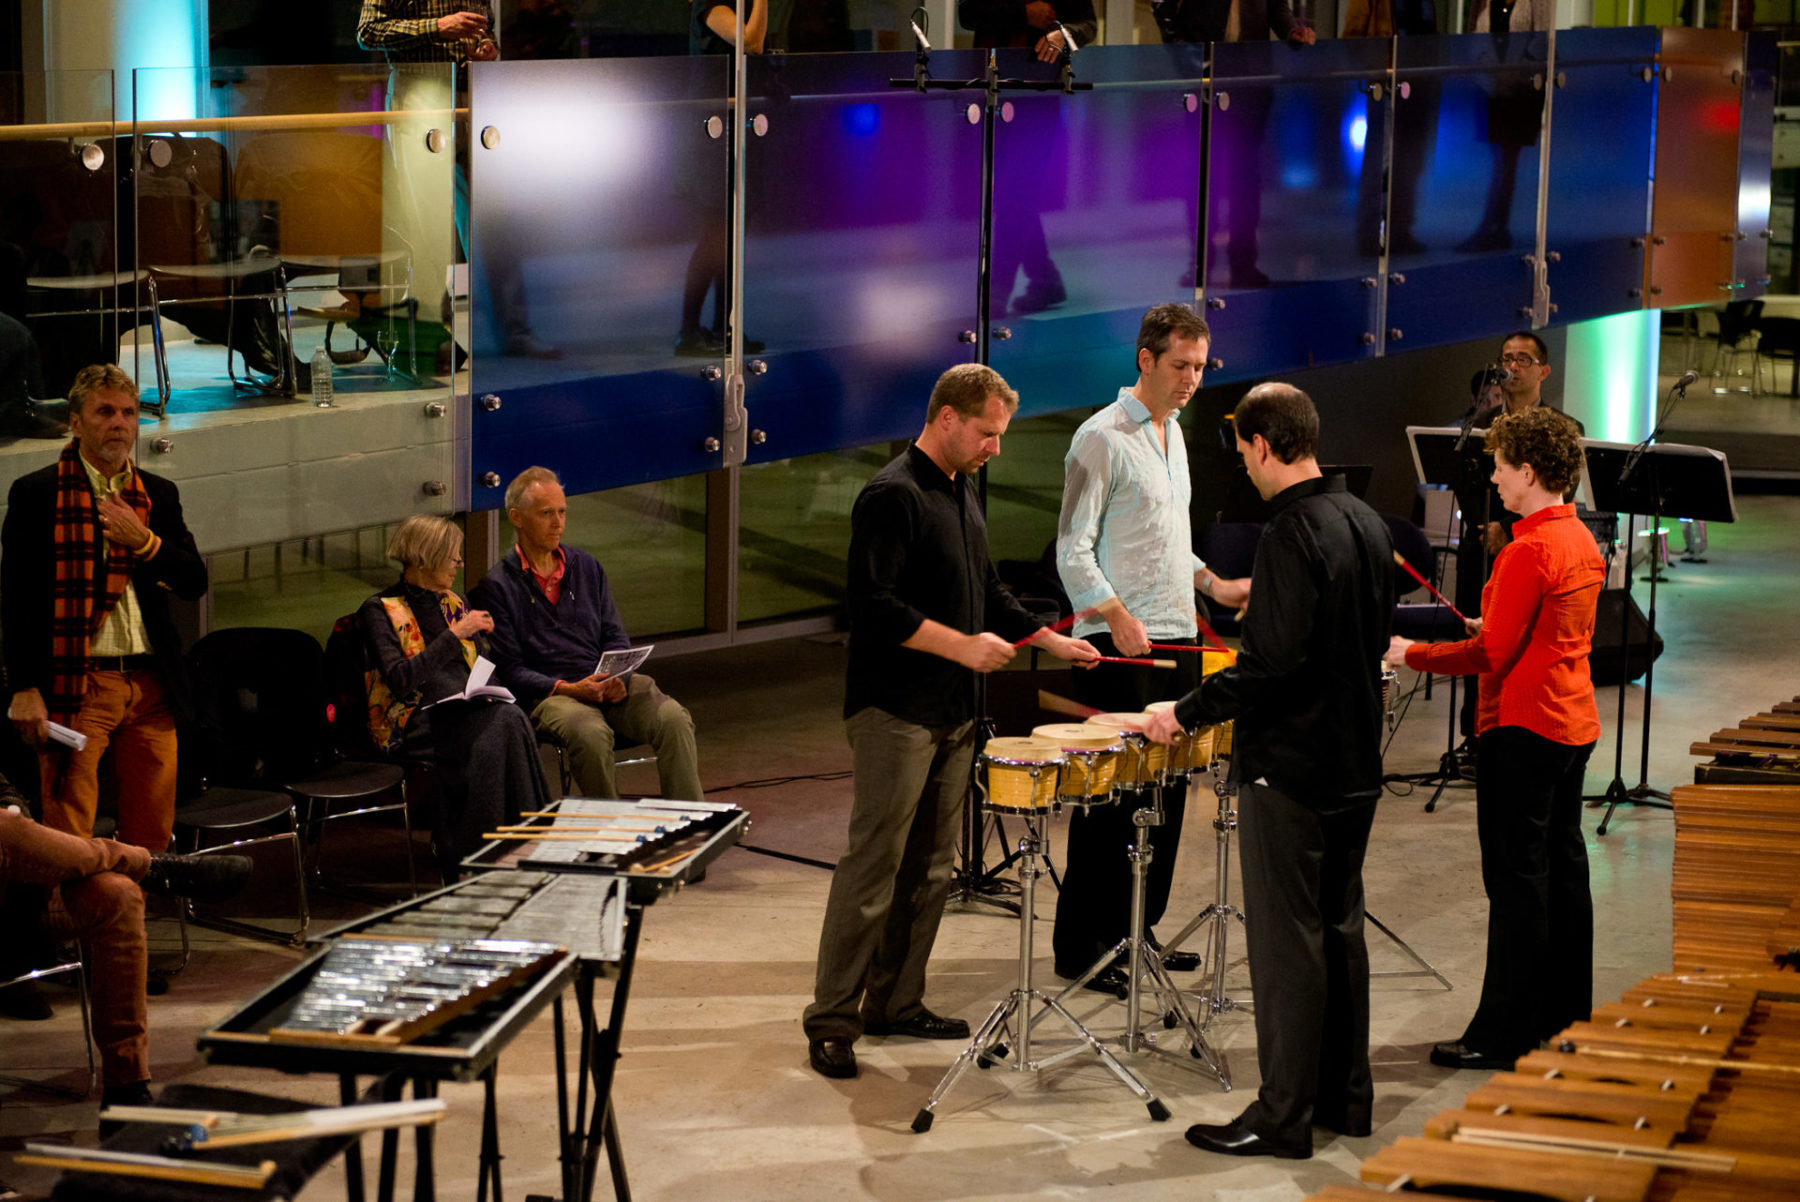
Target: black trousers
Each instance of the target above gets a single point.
(1303, 912)
(1093, 910)
(1540, 945)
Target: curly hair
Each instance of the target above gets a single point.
(1549, 441)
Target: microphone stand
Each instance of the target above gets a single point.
(972, 882)
(1641, 793)
(1449, 769)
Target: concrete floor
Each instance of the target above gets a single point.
(714, 1096)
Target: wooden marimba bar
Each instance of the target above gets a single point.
(1685, 1090)
(1763, 749)
(1736, 872)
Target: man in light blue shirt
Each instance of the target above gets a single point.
(1125, 550)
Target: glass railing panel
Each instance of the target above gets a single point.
(292, 223)
(1602, 143)
(1289, 270)
(61, 288)
(1465, 274)
(600, 190)
(1693, 224)
(294, 208)
(1756, 153)
(860, 248)
(651, 539)
(302, 584)
(1095, 218)
(794, 530)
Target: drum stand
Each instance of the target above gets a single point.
(1142, 957)
(1013, 1018)
(1213, 1000)
(1218, 915)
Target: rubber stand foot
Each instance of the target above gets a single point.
(922, 1122)
(1158, 1111)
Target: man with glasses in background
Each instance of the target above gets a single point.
(1525, 364)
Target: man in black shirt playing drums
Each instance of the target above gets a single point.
(927, 612)
(1305, 694)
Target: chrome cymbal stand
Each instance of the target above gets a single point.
(1143, 960)
(1012, 1019)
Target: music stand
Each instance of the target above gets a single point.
(1447, 457)
(1664, 480)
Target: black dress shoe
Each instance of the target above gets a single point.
(199, 878)
(1110, 980)
(1457, 1054)
(1229, 1139)
(923, 1025)
(832, 1057)
(1177, 961)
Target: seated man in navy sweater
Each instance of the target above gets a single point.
(553, 617)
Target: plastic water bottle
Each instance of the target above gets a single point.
(321, 379)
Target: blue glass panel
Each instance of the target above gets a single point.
(1602, 141)
(1095, 213)
(1477, 180)
(600, 190)
(860, 246)
(1285, 183)
(1756, 151)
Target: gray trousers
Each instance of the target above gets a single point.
(888, 892)
(647, 715)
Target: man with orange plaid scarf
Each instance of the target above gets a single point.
(91, 549)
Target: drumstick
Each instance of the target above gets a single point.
(1208, 634)
(1062, 705)
(1058, 627)
(1414, 573)
(1182, 647)
(1144, 663)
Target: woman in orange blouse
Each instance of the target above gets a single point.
(1537, 724)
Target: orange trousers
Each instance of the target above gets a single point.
(125, 713)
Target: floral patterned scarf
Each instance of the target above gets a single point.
(388, 715)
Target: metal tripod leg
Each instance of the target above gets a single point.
(1424, 970)
(1218, 915)
(1143, 960)
(1013, 1015)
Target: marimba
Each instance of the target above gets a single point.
(1763, 749)
(1683, 1091)
(1736, 872)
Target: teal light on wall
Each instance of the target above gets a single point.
(1610, 382)
(167, 37)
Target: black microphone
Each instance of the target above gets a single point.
(1687, 377)
(1502, 374)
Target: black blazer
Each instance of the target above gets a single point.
(26, 575)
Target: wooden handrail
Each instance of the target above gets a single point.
(183, 125)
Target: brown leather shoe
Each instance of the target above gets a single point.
(832, 1057)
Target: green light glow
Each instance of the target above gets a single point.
(1610, 377)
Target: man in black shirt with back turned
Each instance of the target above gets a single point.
(927, 612)
(1306, 696)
